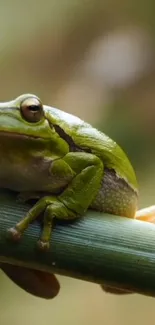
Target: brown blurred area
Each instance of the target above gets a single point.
(95, 59)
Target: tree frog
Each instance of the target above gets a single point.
(64, 162)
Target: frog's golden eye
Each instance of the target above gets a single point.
(32, 110)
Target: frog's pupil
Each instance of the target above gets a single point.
(34, 108)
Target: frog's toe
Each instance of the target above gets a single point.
(42, 245)
(14, 234)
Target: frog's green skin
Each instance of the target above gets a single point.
(70, 165)
(78, 168)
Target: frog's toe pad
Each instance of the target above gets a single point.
(44, 246)
(14, 234)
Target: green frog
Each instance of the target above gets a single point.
(63, 162)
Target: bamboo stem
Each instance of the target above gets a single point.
(99, 247)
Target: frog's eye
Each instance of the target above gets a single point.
(32, 110)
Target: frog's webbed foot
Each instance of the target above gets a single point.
(146, 214)
(52, 208)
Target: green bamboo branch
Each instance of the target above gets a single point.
(99, 247)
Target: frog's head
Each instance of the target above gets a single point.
(25, 116)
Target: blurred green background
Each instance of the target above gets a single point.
(95, 59)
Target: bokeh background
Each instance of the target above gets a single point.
(95, 59)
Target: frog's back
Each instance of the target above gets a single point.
(89, 138)
(118, 192)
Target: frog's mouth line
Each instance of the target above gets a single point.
(14, 135)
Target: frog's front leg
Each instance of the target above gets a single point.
(87, 171)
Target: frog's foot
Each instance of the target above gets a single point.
(146, 214)
(14, 233)
(51, 208)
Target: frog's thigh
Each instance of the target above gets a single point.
(84, 186)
